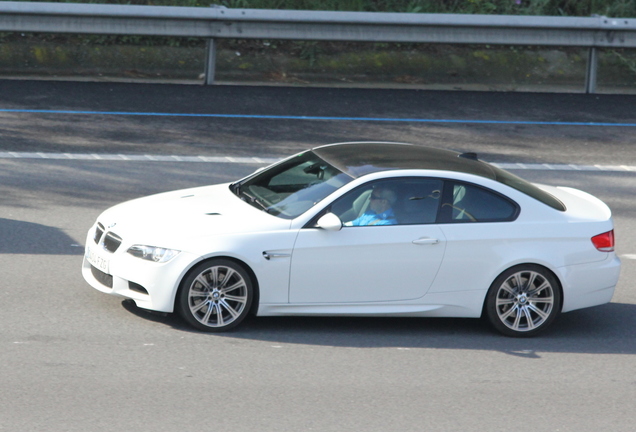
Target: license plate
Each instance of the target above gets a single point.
(98, 261)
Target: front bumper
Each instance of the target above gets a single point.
(150, 285)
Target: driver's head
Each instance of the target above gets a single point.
(382, 199)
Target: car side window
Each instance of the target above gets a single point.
(401, 201)
(464, 202)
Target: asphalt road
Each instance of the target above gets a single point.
(74, 359)
(256, 120)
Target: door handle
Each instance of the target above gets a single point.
(426, 241)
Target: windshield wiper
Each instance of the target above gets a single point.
(236, 188)
(252, 199)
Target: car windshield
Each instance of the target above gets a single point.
(292, 187)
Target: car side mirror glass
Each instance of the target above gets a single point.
(330, 222)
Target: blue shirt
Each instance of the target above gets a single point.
(372, 218)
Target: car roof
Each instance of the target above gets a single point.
(360, 158)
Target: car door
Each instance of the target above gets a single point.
(480, 236)
(374, 262)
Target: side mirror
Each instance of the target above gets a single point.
(330, 222)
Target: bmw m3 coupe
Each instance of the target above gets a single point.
(374, 229)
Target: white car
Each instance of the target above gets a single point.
(375, 229)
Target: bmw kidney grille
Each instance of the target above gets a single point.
(110, 241)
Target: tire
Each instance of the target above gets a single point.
(523, 301)
(215, 296)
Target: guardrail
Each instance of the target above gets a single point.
(219, 22)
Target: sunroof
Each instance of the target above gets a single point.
(358, 159)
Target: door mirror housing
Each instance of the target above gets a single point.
(329, 222)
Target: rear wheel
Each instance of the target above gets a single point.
(523, 301)
(216, 295)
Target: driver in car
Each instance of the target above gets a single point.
(380, 210)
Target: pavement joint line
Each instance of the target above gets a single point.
(265, 161)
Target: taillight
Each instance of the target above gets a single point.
(604, 242)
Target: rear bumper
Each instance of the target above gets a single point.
(590, 284)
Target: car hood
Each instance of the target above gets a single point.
(171, 219)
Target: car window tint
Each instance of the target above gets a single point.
(402, 201)
(471, 203)
(299, 176)
(291, 187)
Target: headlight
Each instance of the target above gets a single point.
(153, 253)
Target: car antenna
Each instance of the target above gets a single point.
(469, 155)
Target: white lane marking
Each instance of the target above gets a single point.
(564, 167)
(138, 158)
(265, 161)
(629, 256)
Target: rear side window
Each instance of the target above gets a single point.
(465, 202)
(527, 188)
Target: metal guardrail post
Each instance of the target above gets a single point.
(592, 70)
(210, 53)
(210, 62)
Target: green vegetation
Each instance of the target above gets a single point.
(304, 61)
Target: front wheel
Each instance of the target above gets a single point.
(215, 296)
(523, 301)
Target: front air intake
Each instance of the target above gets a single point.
(103, 278)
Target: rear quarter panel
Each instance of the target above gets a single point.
(476, 253)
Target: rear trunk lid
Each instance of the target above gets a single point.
(580, 205)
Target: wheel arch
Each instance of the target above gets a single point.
(247, 267)
(521, 265)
